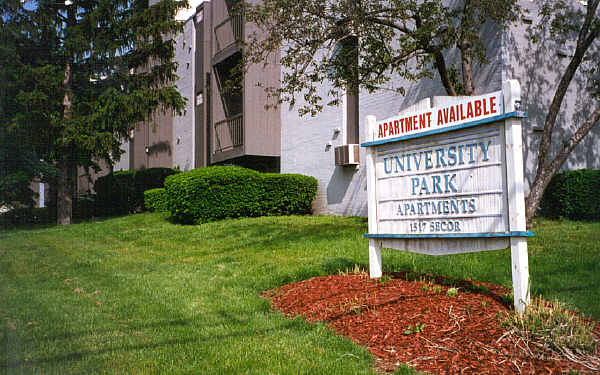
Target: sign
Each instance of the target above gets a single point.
(443, 184)
(444, 117)
(449, 179)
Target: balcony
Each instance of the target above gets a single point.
(228, 34)
(229, 133)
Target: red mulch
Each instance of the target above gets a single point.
(461, 334)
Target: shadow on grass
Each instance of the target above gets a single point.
(52, 224)
(268, 236)
(207, 339)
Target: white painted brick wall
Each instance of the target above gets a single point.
(342, 190)
(183, 126)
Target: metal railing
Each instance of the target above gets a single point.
(230, 31)
(229, 133)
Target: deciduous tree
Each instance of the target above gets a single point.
(563, 19)
(363, 44)
(319, 40)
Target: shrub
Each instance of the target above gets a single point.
(123, 192)
(116, 192)
(287, 194)
(24, 216)
(156, 200)
(573, 195)
(215, 193)
(150, 178)
(86, 207)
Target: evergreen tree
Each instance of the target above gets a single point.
(77, 75)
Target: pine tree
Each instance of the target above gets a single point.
(79, 74)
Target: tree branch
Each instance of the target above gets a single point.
(575, 139)
(391, 24)
(584, 41)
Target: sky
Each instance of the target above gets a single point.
(184, 14)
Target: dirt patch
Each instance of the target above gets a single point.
(434, 325)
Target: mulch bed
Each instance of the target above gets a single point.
(418, 323)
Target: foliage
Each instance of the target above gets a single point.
(88, 206)
(418, 328)
(77, 76)
(116, 192)
(156, 200)
(18, 168)
(150, 178)
(367, 43)
(287, 194)
(123, 191)
(215, 193)
(573, 195)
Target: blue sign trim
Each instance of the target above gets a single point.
(516, 114)
(453, 235)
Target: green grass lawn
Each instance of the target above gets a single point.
(140, 295)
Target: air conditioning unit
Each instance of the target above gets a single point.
(347, 155)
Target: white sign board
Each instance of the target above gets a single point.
(449, 179)
(443, 184)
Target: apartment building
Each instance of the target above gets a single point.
(310, 145)
(232, 127)
(220, 125)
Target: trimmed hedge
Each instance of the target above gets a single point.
(115, 192)
(150, 178)
(156, 200)
(86, 207)
(123, 192)
(214, 193)
(288, 194)
(573, 195)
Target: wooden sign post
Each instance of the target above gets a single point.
(448, 179)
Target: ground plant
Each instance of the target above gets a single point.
(550, 328)
(140, 294)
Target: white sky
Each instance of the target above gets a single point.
(184, 14)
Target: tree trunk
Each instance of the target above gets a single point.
(467, 67)
(64, 204)
(536, 191)
(64, 187)
(544, 174)
(440, 65)
(545, 169)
